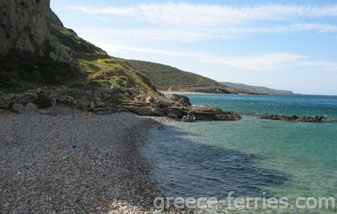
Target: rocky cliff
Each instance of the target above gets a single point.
(36, 50)
(28, 50)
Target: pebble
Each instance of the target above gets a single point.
(41, 173)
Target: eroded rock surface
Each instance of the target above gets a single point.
(293, 118)
(101, 102)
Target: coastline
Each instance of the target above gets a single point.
(182, 92)
(75, 161)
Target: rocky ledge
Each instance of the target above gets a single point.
(293, 118)
(107, 101)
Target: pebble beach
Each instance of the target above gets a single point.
(75, 162)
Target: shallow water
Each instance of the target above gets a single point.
(251, 157)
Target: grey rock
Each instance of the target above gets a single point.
(177, 113)
(92, 105)
(100, 104)
(97, 99)
(24, 29)
(208, 114)
(18, 108)
(183, 100)
(189, 118)
(83, 102)
(293, 118)
(149, 100)
(5, 102)
(31, 107)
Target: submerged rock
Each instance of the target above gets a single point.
(213, 114)
(293, 118)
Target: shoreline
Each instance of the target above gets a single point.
(182, 92)
(76, 161)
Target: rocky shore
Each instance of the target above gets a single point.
(75, 162)
(106, 101)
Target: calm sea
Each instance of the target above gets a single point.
(251, 157)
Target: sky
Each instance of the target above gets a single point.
(282, 44)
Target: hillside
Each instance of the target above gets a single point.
(167, 78)
(37, 50)
(258, 89)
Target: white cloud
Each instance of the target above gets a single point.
(141, 35)
(192, 22)
(322, 28)
(271, 62)
(259, 63)
(265, 62)
(116, 48)
(183, 14)
(332, 66)
(193, 34)
(106, 10)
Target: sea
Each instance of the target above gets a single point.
(251, 157)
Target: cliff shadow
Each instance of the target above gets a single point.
(185, 168)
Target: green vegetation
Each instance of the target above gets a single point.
(101, 69)
(111, 72)
(258, 89)
(25, 71)
(164, 76)
(22, 71)
(73, 43)
(43, 102)
(167, 78)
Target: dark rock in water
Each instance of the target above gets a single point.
(213, 114)
(43, 101)
(176, 113)
(189, 118)
(180, 99)
(161, 127)
(293, 118)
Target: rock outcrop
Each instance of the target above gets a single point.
(24, 29)
(101, 101)
(183, 100)
(213, 114)
(293, 118)
(27, 44)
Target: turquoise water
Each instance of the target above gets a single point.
(309, 105)
(251, 157)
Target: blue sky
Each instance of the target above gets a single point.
(280, 44)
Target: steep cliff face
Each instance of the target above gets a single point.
(24, 29)
(27, 45)
(37, 50)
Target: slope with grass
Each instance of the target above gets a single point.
(167, 78)
(102, 70)
(45, 53)
(258, 89)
